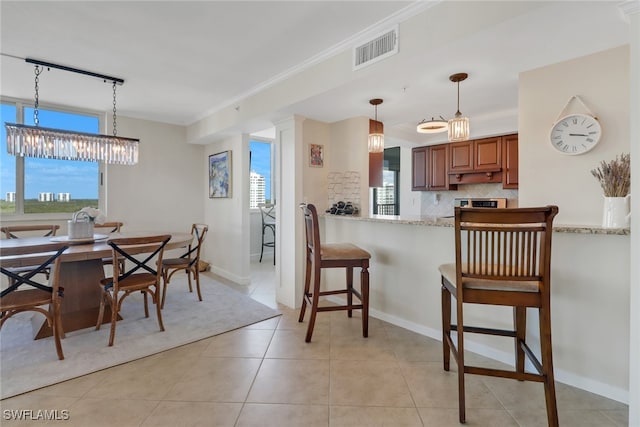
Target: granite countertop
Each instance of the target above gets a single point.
(437, 221)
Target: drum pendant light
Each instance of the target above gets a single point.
(459, 125)
(376, 130)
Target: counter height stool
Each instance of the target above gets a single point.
(332, 255)
(503, 258)
(268, 214)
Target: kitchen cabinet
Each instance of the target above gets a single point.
(430, 168)
(437, 173)
(419, 171)
(510, 161)
(476, 161)
(489, 160)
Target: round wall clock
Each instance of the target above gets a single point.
(575, 134)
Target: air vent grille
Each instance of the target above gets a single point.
(376, 49)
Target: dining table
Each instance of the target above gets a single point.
(81, 269)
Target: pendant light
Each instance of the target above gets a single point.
(459, 125)
(376, 130)
(35, 141)
(432, 126)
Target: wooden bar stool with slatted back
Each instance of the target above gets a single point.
(503, 258)
(332, 255)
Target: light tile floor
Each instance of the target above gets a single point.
(266, 375)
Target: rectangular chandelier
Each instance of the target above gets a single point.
(50, 143)
(37, 141)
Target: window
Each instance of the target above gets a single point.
(261, 175)
(386, 199)
(47, 186)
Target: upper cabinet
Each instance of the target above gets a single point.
(430, 170)
(419, 169)
(487, 160)
(510, 161)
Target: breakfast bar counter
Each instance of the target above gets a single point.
(589, 297)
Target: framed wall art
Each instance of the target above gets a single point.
(220, 175)
(316, 155)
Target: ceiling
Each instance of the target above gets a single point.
(184, 61)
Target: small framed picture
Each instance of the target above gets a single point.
(316, 155)
(220, 175)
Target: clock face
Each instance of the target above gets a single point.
(575, 134)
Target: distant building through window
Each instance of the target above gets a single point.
(256, 190)
(261, 175)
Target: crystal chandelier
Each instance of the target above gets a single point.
(50, 143)
(459, 125)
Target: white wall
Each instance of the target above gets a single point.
(228, 241)
(164, 191)
(548, 177)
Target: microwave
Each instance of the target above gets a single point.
(481, 203)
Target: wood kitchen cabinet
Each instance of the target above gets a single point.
(489, 160)
(510, 161)
(437, 173)
(419, 168)
(476, 161)
(430, 168)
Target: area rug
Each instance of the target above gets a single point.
(26, 365)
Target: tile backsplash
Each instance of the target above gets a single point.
(444, 206)
(343, 186)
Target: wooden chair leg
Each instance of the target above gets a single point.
(307, 284)
(155, 298)
(57, 330)
(520, 326)
(146, 305)
(165, 282)
(196, 275)
(101, 311)
(314, 304)
(349, 290)
(460, 361)
(364, 281)
(547, 366)
(446, 327)
(188, 271)
(115, 305)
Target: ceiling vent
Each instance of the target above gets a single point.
(377, 49)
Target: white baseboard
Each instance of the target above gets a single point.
(230, 276)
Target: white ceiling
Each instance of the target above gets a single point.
(182, 61)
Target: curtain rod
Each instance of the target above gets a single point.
(75, 70)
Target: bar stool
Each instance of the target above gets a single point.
(268, 214)
(503, 257)
(332, 255)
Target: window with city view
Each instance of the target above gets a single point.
(34, 185)
(260, 180)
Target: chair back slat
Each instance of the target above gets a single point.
(127, 247)
(199, 231)
(19, 231)
(312, 232)
(45, 256)
(504, 244)
(109, 227)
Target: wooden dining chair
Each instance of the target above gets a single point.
(24, 293)
(503, 258)
(23, 231)
(187, 262)
(332, 255)
(268, 215)
(141, 277)
(108, 228)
